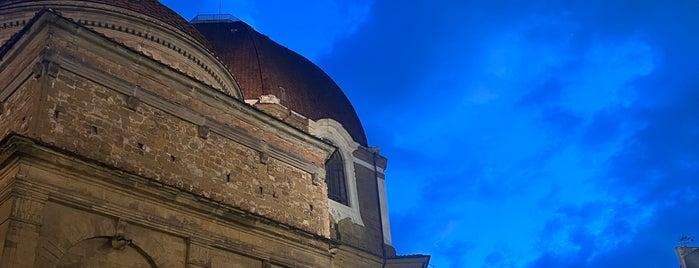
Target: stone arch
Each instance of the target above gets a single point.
(64, 227)
(108, 252)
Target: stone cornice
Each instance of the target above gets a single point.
(54, 26)
(40, 159)
(163, 36)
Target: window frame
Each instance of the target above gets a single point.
(332, 131)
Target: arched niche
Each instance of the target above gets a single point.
(107, 252)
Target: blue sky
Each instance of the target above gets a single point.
(519, 133)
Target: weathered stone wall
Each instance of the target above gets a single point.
(352, 257)
(19, 90)
(87, 119)
(282, 113)
(19, 212)
(7, 173)
(80, 111)
(18, 110)
(91, 214)
(72, 230)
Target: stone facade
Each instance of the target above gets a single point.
(111, 156)
(688, 256)
(63, 211)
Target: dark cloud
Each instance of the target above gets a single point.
(563, 120)
(652, 246)
(399, 46)
(663, 157)
(656, 166)
(649, 128)
(607, 126)
(549, 91)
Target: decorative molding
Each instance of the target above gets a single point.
(316, 179)
(119, 240)
(45, 67)
(132, 102)
(8, 89)
(13, 24)
(52, 69)
(38, 70)
(385, 220)
(203, 132)
(333, 131)
(121, 227)
(187, 55)
(326, 127)
(367, 165)
(164, 35)
(264, 157)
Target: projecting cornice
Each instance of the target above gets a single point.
(54, 58)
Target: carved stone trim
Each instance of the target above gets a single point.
(52, 69)
(13, 24)
(14, 83)
(161, 41)
(46, 67)
(132, 102)
(203, 132)
(366, 164)
(266, 264)
(316, 179)
(264, 157)
(121, 227)
(333, 131)
(38, 70)
(119, 240)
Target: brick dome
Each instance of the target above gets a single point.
(151, 8)
(262, 67)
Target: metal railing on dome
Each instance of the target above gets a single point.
(209, 18)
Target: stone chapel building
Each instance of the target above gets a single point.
(130, 137)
